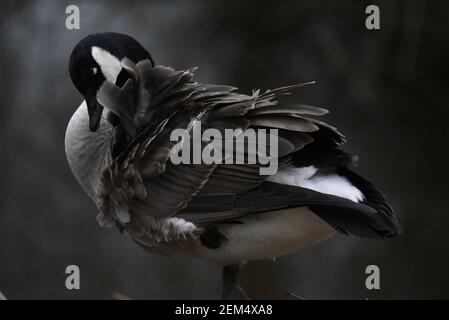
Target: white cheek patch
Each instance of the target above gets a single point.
(109, 64)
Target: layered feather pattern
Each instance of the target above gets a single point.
(140, 188)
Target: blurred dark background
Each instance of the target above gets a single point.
(387, 90)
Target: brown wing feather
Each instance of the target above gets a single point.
(140, 185)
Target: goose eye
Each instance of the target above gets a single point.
(94, 70)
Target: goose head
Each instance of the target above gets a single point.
(98, 58)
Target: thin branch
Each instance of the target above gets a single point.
(293, 296)
(119, 296)
(243, 293)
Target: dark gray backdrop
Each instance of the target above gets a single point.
(387, 91)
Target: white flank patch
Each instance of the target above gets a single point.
(174, 229)
(181, 226)
(110, 65)
(330, 184)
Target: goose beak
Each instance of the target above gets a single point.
(95, 110)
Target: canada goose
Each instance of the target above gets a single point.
(118, 146)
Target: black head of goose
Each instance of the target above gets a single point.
(98, 58)
(219, 210)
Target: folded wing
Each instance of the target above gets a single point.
(140, 185)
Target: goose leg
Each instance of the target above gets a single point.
(230, 273)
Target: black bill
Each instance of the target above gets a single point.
(95, 111)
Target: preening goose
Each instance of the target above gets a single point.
(119, 147)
